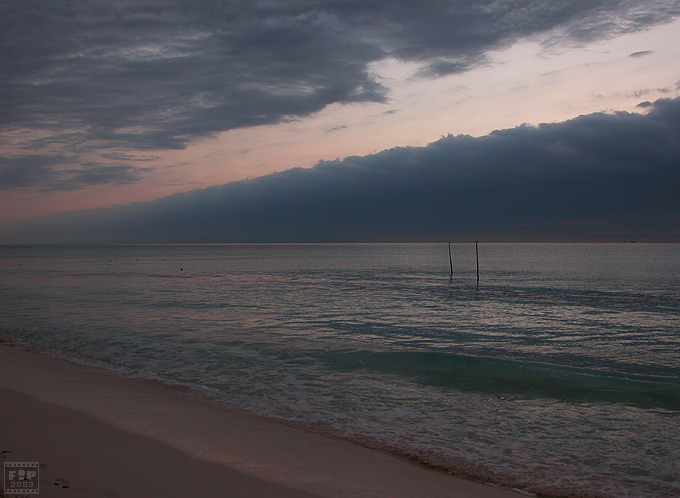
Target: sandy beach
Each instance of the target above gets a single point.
(96, 433)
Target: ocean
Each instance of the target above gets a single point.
(557, 374)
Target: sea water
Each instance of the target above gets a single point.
(557, 373)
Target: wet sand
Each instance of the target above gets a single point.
(99, 434)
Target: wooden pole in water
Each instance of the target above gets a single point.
(450, 260)
(477, 254)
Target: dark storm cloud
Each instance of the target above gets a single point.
(596, 177)
(157, 74)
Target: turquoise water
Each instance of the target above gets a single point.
(559, 374)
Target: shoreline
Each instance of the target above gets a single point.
(106, 434)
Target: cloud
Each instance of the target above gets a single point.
(641, 53)
(27, 170)
(94, 174)
(53, 173)
(596, 177)
(157, 74)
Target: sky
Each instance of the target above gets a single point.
(337, 121)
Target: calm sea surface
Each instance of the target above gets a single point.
(559, 374)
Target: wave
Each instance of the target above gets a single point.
(501, 376)
(466, 458)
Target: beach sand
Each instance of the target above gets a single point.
(99, 434)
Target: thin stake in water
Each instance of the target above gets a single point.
(450, 260)
(477, 254)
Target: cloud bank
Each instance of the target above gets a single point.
(91, 76)
(596, 177)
